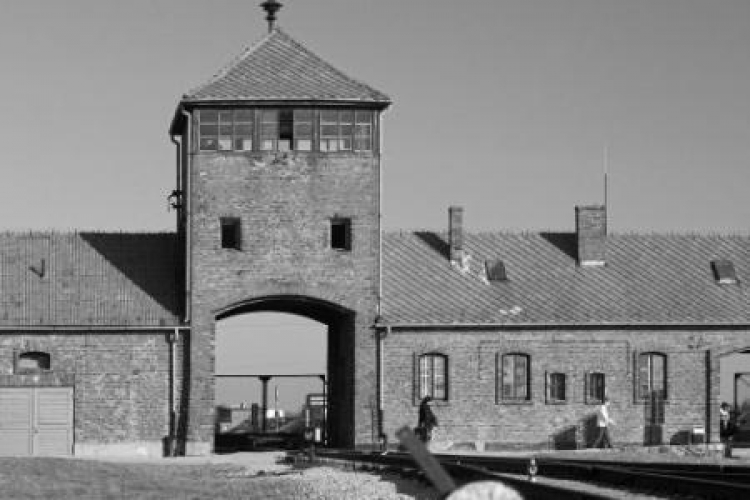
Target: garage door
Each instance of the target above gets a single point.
(36, 421)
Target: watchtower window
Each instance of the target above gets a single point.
(363, 131)
(269, 129)
(225, 130)
(285, 129)
(303, 129)
(231, 236)
(341, 234)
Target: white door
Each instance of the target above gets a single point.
(36, 421)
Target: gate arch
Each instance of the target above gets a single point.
(339, 321)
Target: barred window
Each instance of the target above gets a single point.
(652, 375)
(556, 390)
(433, 376)
(515, 377)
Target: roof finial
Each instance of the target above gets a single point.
(271, 7)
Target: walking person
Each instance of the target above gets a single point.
(726, 428)
(427, 420)
(603, 421)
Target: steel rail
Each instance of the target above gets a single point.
(705, 480)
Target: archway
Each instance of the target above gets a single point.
(276, 355)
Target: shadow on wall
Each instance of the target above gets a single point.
(565, 439)
(576, 436)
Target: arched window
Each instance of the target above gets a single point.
(652, 375)
(515, 377)
(596, 387)
(433, 376)
(32, 361)
(556, 390)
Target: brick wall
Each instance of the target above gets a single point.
(285, 203)
(474, 414)
(120, 383)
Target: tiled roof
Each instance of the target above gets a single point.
(90, 279)
(648, 279)
(280, 68)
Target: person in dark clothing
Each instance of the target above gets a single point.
(726, 428)
(427, 420)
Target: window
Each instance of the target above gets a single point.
(341, 233)
(230, 233)
(303, 129)
(285, 129)
(345, 130)
(556, 388)
(225, 130)
(495, 270)
(652, 375)
(515, 374)
(32, 362)
(433, 382)
(269, 129)
(595, 387)
(363, 131)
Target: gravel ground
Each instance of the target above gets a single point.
(308, 482)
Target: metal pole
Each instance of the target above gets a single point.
(264, 380)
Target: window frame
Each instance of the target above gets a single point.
(650, 356)
(500, 378)
(426, 383)
(589, 387)
(552, 396)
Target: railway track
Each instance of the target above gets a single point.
(710, 481)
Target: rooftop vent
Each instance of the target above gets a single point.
(495, 270)
(724, 271)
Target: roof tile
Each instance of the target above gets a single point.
(280, 68)
(647, 279)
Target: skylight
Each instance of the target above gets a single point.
(495, 270)
(724, 272)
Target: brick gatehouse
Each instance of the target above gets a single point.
(107, 339)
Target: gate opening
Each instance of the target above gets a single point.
(283, 374)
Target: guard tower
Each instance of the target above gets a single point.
(278, 196)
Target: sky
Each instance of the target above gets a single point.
(512, 109)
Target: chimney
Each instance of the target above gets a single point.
(456, 233)
(591, 232)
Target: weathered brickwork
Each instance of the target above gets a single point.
(285, 202)
(120, 380)
(474, 412)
